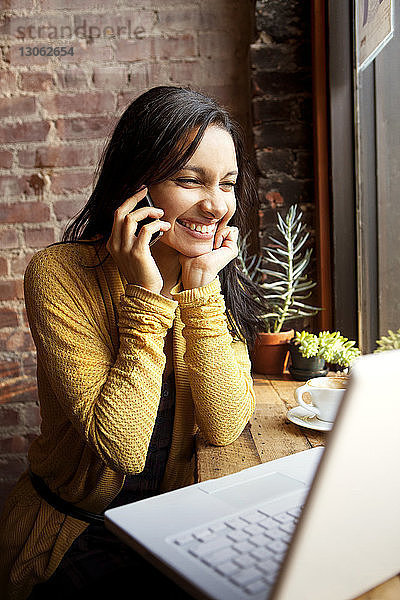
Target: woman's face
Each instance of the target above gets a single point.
(199, 198)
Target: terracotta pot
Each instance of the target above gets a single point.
(270, 353)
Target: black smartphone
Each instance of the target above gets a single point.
(147, 201)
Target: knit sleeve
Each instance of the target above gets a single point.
(219, 366)
(111, 400)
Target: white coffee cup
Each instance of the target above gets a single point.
(326, 395)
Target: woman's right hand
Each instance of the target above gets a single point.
(132, 254)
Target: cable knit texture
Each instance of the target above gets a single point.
(100, 357)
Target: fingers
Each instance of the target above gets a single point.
(218, 238)
(130, 224)
(147, 211)
(130, 203)
(114, 243)
(148, 230)
(227, 236)
(128, 230)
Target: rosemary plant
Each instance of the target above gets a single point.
(284, 283)
(249, 265)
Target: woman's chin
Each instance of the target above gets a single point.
(190, 249)
(196, 250)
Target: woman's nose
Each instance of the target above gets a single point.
(215, 203)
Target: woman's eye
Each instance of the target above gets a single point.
(190, 181)
(187, 180)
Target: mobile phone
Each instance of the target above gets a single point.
(147, 201)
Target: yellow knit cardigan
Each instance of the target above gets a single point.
(100, 362)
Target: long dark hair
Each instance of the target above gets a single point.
(149, 145)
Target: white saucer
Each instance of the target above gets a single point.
(301, 416)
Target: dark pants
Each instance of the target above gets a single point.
(99, 566)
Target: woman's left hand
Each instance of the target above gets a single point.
(201, 270)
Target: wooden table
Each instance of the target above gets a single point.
(270, 435)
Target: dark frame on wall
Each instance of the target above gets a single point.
(321, 163)
(342, 167)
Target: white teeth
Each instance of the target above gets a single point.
(198, 227)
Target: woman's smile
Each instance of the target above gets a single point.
(198, 230)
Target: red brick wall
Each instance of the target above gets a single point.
(55, 113)
(281, 65)
(282, 109)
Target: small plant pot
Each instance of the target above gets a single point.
(270, 352)
(302, 369)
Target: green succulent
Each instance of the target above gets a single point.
(332, 347)
(307, 343)
(389, 342)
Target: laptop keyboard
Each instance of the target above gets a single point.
(247, 549)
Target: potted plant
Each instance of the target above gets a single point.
(391, 341)
(312, 355)
(284, 288)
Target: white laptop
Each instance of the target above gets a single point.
(264, 534)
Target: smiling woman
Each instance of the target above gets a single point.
(155, 144)
(138, 346)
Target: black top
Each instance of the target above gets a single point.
(148, 482)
